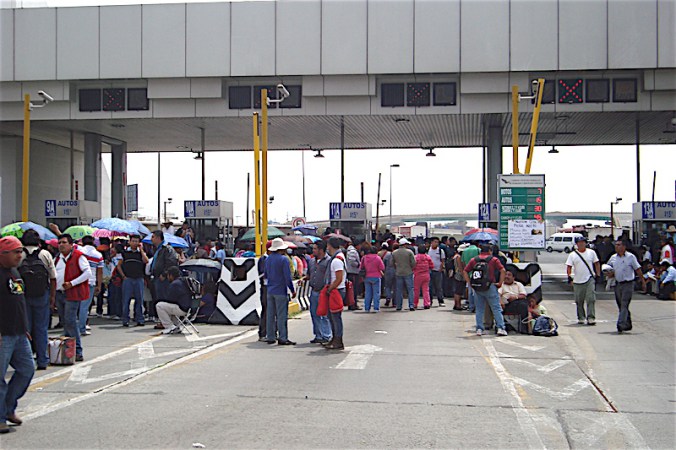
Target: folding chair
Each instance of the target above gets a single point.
(186, 321)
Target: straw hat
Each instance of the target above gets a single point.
(278, 244)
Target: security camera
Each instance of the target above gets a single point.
(534, 86)
(45, 96)
(281, 90)
(272, 198)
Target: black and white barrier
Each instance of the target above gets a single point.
(239, 299)
(528, 274)
(303, 291)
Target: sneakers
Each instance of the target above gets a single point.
(4, 428)
(442, 304)
(580, 322)
(479, 332)
(86, 333)
(79, 358)
(591, 322)
(502, 332)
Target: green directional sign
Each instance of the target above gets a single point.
(521, 211)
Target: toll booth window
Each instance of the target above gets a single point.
(113, 99)
(294, 98)
(624, 90)
(549, 92)
(598, 91)
(391, 95)
(444, 94)
(418, 94)
(90, 100)
(239, 97)
(137, 99)
(570, 91)
(272, 95)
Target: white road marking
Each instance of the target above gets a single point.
(358, 357)
(193, 337)
(552, 366)
(111, 387)
(524, 416)
(532, 348)
(563, 394)
(146, 350)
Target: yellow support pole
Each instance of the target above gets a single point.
(257, 183)
(515, 129)
(26, 156)
(264, 145)
(534, 124)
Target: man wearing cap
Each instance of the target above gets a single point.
(625, 268)
(580, 262)
(404, 263)
(278, 273)
(15, 349)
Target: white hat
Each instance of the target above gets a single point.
(607, 268)
(404, 241)
(278, 244)
(463, 247)
(385, 245)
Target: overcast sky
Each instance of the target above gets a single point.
(578, 179)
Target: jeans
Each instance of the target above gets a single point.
(372, 295)
(585, 292)
(389, 282)
(491, 298)
(60, 306)
(70, 325)
(471, 298)
(84, 310)
(437, 285)
(277, 313)
(406, 280)
(114, 300)
(14, 351)
(336, 319)
(623, 293)
(321, 327)
(38, 312)
(132, 287)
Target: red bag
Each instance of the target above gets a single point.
(349, 293)
(332, 302)
(323, 305)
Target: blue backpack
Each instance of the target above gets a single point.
(545, 326)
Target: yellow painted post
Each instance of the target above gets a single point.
(515, 129)
(26, 155)
(264, 145)
(534, 124)
(257, 183)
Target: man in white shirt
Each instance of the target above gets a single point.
(336, 280)
(625, 270)
(584, 263)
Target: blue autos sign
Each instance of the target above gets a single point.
(488, 212)
(350, 211)
(189, 209)
(50, 208)
(334, 211)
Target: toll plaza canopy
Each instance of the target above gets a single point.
(389, 74)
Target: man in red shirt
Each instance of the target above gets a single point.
(482, 274)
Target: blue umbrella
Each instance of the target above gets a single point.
(174, 241)
(481, 236)
(140, 228)
(115, 224)
(45, 234)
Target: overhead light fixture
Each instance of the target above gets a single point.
(401, 120)
(553, 150)
(430, 152)
(319, 154)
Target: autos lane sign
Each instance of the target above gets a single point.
(521, 198)
(348, 211)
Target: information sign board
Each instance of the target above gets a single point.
(521, 198)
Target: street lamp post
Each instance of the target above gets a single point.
(165, 209)
(391, 166)
(612, 216)
(27, 108)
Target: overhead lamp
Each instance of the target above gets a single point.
(319, 154)
(430, 152)
(553, 150)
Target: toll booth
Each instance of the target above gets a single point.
(66, 213)
(353, 219)
(651, 219)
(211, 219)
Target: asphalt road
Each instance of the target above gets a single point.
(407, 379)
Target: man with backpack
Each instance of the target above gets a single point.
(580, 263)
(481, 273)
(39, 276)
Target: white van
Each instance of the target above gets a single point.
(561, 242)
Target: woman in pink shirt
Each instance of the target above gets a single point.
(421, 277)
(374, 268)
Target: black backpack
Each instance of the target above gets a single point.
(194, 286)
(34, 274)
(479, 277)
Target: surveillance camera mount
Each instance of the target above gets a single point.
(282, 92)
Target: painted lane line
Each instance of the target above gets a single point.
(114, 386)
(563, 394)
(192, 337)
(358, 357)
(552, 366)
(524, 417)
(532, 348)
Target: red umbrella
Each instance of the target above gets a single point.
(485, 230)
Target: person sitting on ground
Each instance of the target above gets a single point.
(177, 303)
(535, 309)
(513, 297)
(650, 276)
(667, 284)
